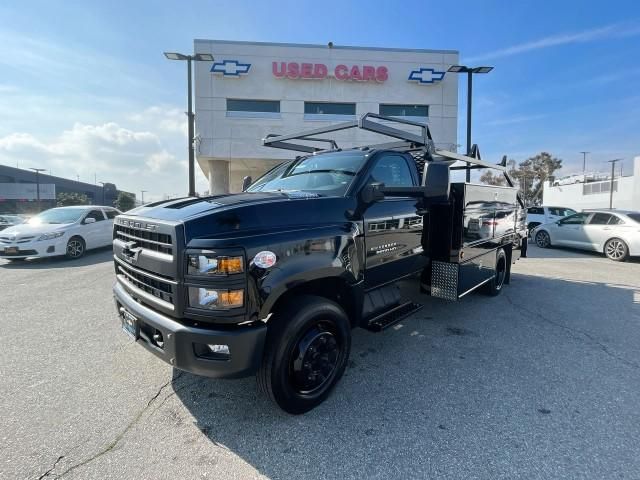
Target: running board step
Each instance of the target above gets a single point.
(393, 316)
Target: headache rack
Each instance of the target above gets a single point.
(420, 146)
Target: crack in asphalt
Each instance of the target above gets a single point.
(116, 440)
(576, 331)
(53, 467)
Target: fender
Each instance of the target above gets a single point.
(331, 251)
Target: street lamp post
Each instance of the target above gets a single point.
(469, 71)
(102, 183)
(198, 57)
(613, 174)
(38, 170)
(142, 192)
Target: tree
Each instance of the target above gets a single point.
(489, 178)
(534, 171)
(125, 201)
(64, 199)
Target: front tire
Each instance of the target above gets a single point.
(75, 248)
(306, 352)
(616, 250)
(494, 286)
(543, 240)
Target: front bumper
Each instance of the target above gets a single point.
(181, 342)
(32, 249)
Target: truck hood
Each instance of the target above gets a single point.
(184, 209)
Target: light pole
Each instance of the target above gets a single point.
(613, 174)
(102, 183)
(198, 57)
(38, 170)
(469, 71)
(142, 192)
(584, 162)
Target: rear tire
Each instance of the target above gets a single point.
(616, 250)
(306, 352)
(494, 286)
(75, 248)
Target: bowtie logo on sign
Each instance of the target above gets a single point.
(231, 68)
(425, 75)
(320, 71)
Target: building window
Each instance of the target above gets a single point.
(253, 108)
(326, 110)
(404, 110)
(599, 187)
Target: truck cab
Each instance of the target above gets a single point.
(271, 281)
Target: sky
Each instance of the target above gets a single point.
(85, 91)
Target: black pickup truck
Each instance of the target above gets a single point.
(271, 281)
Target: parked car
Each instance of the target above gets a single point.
(616, 233)
(543, 214)
(68, 231)
(7, 221)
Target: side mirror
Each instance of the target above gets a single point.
(89, 220)
(559, 223)
(246, 182)
(372, 193)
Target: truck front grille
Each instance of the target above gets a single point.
(150, 286)
(154, 241)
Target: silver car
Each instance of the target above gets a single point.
(616, 233)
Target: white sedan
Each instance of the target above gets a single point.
(615, 233)
(68, 231)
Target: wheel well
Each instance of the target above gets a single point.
(334, 288)
(80, 237)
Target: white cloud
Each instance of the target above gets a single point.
(167, 119)
(131, 159)
(608, 31)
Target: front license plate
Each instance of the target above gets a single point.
(130, 325)
(11, 250)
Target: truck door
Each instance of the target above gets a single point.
(393, 230)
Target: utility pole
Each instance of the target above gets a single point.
(142, 192)
(613, 174)
(38, 170)
(584, 162)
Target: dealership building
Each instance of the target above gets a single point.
(252, 90)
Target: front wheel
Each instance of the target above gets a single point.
(542, 239)
(616, 250)
(306, 352)
(75, 248)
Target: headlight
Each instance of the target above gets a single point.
(215, 299)
(209, 263)
(50, 236)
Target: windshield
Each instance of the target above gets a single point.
(57, 215)
(328, 174)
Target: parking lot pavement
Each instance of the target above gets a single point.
(540, 382)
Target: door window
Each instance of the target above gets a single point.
(97, 214)
(393, 171)
(600, 219)
(535, 211)
(577, 219)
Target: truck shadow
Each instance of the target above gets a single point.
(91, 257)
(449, 387)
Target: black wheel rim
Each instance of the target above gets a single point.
(542, 239)
(615, 249)
(314, 359)
(75, 248)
